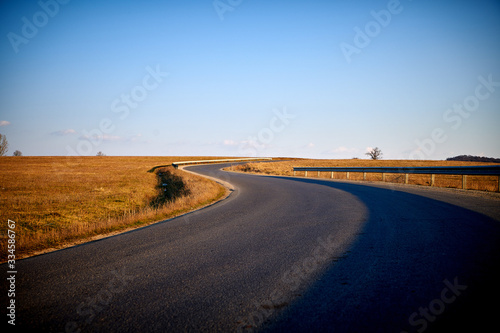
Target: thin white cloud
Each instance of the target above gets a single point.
(104, 137)
(230, 143)
(64, 132)
(342, 150)
(4, 122)
(135, 138)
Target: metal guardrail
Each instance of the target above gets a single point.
(464, 171)
(177, 164)
(486, 170)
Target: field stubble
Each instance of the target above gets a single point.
(56, 201)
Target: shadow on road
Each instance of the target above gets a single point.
(420, 265)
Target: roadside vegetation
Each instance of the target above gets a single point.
(56, 201)
(285, 168)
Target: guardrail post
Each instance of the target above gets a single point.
(464, 182)
(364, 175)
(347, 175)
(318, 174)
(383, 176)
(406, 178)
(331, 176)
(433, 177)
(305, 174)
(294, 173)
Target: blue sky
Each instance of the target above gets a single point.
(320, 79)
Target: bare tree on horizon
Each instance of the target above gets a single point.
(375, 153)
(4, 145)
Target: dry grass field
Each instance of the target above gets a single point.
(56, 201)
(59, 200)
(285, 168)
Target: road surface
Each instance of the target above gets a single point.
(280, 254)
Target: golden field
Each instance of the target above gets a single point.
(285, 168)
(59, 200)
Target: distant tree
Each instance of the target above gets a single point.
(470, 158)
(4, 145)
(17, 153)
(375, 153)
(100, 153)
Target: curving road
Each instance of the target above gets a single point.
(280, 254)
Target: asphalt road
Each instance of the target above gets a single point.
(280, 254)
